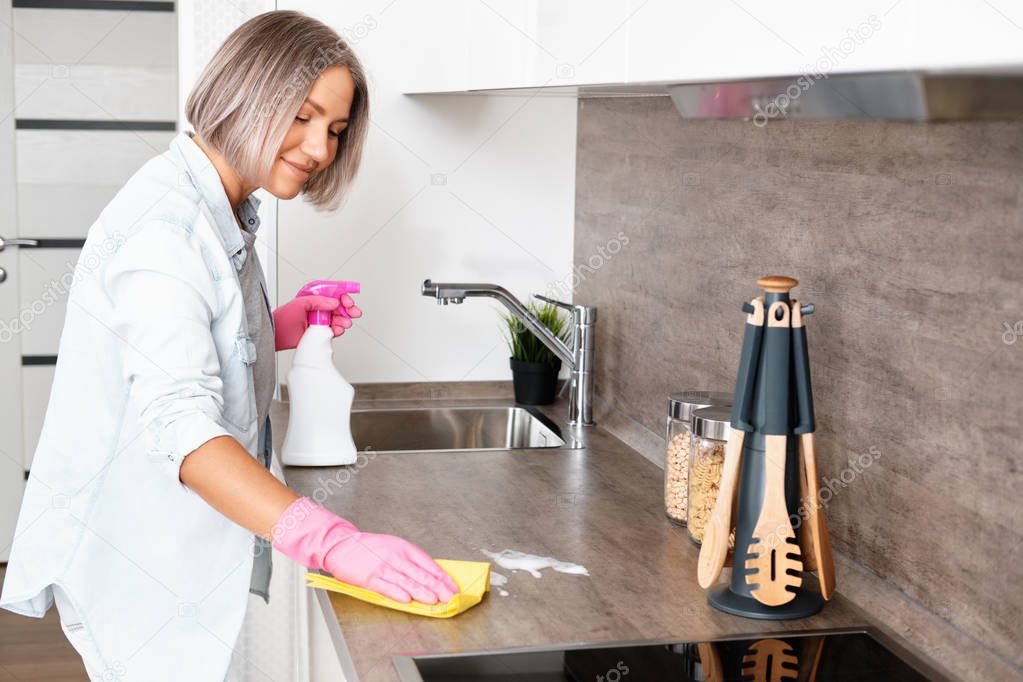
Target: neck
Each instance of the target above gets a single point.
(236, 188)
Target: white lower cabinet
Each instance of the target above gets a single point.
(324, 664)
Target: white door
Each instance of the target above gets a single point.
(89, 94)
(12, 481)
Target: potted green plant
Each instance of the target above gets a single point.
(534, 366)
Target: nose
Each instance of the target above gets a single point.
(314, 145)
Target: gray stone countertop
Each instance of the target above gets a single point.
(600, 506)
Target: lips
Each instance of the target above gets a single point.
(297, 170)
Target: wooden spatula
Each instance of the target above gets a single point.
(770, 660)
(774, 562)
(819, 545)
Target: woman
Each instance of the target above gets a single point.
(147, 516)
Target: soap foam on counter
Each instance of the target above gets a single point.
(516, 561)
(497, 580)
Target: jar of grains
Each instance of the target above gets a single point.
(706, 461)
(677, 441)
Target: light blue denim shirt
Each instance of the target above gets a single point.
(154, 360)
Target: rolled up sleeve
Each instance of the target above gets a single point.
(164, 303)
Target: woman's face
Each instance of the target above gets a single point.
(312, 141)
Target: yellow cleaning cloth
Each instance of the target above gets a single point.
(472, 578)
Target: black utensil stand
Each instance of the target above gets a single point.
(773, 398)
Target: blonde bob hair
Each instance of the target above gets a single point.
(256, 83)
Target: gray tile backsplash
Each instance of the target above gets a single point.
(909, 239)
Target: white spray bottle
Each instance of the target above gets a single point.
(319, 423)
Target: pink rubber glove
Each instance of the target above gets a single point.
(291, 319)
(317, 538)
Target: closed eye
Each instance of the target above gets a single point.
(329, 132)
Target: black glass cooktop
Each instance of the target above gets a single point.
(825, 656)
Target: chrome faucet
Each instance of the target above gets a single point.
(578, 356)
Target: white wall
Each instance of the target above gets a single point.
(454, 187)
(202, 27)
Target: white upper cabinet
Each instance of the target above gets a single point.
(436, 37)
(672, 40)
(461, 45)
(689, 41)
(507, 44)
(957, 34)
(533, 43)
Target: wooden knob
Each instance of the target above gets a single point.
(776, 284)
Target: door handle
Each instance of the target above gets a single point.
(17, 242)
(3, 275)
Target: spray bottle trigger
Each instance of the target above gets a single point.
(334, 289)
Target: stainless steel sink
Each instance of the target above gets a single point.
(453, 428)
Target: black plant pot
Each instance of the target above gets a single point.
(535, 382)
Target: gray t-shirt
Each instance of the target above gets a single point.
(260, 323)
(261, 330)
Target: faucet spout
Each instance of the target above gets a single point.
(578, 357)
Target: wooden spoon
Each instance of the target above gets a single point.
(715, 534)
(805, 537)
(815, 664)
(710, 662)
(714, 547)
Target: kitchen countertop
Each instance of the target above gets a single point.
(600, 506)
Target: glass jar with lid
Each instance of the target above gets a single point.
(677, 443)
(706, 461)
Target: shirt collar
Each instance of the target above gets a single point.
(203, 175)
(248, 212)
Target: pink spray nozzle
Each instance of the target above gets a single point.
(327, 287)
